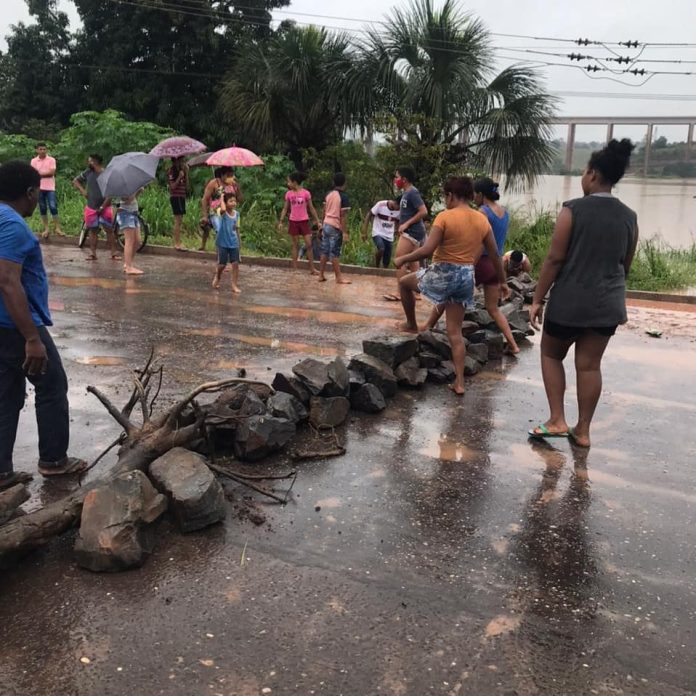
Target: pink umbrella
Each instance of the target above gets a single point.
(234, 157)
(178, 146)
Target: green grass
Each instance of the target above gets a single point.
(656, 267)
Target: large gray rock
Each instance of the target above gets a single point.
(517, 318)
(469, 327)
(322, 379)
(368, 399)
(252, 405)
(477, 337)
(471, 366)
(115, 529)
(357, 379)
(496, 345)
(478, 351)
(328, 412)
(391, 350)
(428, 360)
(259, 436)
(444, 374)
(196, 498)
(376, 372)
(411, 374)
(435, 342)
(290, 384)
(479, 316)
(286, 406)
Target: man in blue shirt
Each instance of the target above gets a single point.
(26, 348)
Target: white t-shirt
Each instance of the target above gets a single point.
(385, 221)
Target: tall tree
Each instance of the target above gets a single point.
(286, 92)
(37, 91)
(430, 74)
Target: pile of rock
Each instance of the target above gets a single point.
(254, 421)
(522, 287)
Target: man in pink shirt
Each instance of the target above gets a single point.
(46, 166)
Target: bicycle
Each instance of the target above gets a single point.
(120, 237)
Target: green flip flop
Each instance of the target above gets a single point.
(545, 432)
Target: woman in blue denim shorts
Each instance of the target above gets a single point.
(129, 223)
(456, 239)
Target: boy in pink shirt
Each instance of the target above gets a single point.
(46, 166)
(334, 233)
(298, 201)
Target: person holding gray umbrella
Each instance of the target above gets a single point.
(125, 178)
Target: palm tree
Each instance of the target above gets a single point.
(281, 90)
(431, 73)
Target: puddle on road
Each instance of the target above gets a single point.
(321, 315)
(105, 360)
(449, 451)
(84, 281)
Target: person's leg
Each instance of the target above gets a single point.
(387, 255)
(12, 390)
(336, 248)
(407, 285)
(491, 295)
(205, 233)
(43, 211)
(235, 277)
(434, 317)
(52, 410)
(454, 315)
(53, 207)
(379, 250)
(589, 350)
(93, 237)
(295, 241)
(404, 246)
(553, 352)
(111, 239)
(310, 253)
(132, 241)
(177, 231)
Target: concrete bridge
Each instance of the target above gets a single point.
(610, 121)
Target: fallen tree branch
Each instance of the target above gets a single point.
(84, 473)
(117, 415)
(301, 455)
(235, 477)
(144, 375)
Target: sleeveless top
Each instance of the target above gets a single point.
(590, 289)
(500, 227)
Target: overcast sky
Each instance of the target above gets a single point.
(668, 21)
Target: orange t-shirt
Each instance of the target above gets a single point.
(464, 230)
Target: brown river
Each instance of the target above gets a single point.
(666, 208)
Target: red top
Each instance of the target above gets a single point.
(177, 189)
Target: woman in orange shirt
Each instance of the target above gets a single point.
(455, 242)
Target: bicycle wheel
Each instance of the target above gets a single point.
(82, 239)
(144, 233)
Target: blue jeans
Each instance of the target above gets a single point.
(127, 220)
(51, 399)
(385, 246)
(48, 201)
(331, 242)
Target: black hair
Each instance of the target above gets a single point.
(488, 188)
(612, 160)
(407, 173)
(97, 158)
(38, 145)
(339, 179)
(226, 197)
(297, 177)
(460, 186)
(16, 178)
(516, 256)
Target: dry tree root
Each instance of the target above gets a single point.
(140, 446)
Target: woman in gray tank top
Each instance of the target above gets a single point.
(592, 248)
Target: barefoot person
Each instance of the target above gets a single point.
(298, 203)
(515, 263)
(177, 181)
(228, 242)
(455, 241)
(591, 252)
(384, 217)
(334, 232)
(46, 166)
(26, 348)
(98, 211)
(411, 228)
(129, 223)
(223, 182)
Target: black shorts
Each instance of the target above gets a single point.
(178, 205)
(572, 333)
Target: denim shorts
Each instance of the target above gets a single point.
(48, 201)
(385, 246)
(227, 255)
(127, 220)
(331, 242)
(447, 283)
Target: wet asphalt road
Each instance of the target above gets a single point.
(444, 554)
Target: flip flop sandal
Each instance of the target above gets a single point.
(14, 478)
(545, 432)
(391, 298)
(73, 465)
(573, 439)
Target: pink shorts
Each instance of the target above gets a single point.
(93, 219)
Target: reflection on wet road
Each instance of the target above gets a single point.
(443, 554)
